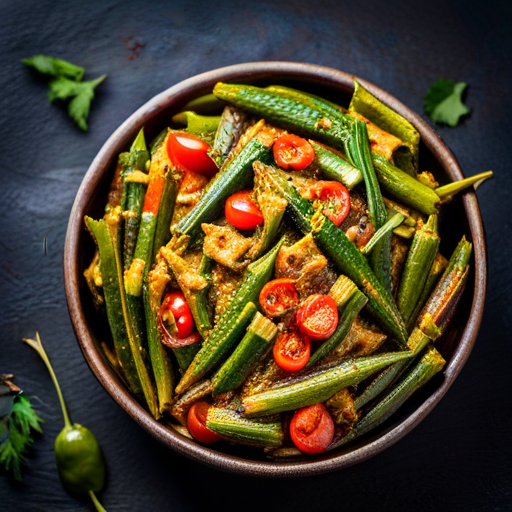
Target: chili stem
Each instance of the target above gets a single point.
(37, 345)
(97, 504)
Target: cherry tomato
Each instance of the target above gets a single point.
(278, 296)
(189, 153)
(292, 151)
(318, 317)
(336, 197)
(312, 429)
(175, 302)
(292, 350)
(241, 212)
(196, 424)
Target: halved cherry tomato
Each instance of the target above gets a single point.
(318, 317)
(189, 153)
(292, 350)
(292, 151)
(278, 296)
(312, 429)
(336, 197)
(196, 424)
(175, 302)
(241, 212)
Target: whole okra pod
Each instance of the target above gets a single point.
(417, 267)
(319, 386)
(430, 364)
(440, 308)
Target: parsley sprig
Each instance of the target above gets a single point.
(67, 85)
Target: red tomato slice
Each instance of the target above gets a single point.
(190, 153)
(312, 429)
(291, 351)
(278, 296)
(318, 317)
(241, 212)
(196, 424)
(175, 302)
(292, 151)
(336, 198)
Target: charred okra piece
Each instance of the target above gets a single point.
(350, 301)
(232, 426)
(319, 386)
(260, 334)
(234, 320)
(417, 267)
(430, 364)
(440, 308)
(135, 181)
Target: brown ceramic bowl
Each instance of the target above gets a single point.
(458, 218)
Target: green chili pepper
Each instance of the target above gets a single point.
(77, 453)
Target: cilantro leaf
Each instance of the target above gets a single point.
(82, 94)
(443, 102)
(54, 67)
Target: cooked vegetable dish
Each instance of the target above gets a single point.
(271, 275)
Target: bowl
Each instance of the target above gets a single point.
(462, 216)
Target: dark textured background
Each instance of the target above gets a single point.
(459, 458)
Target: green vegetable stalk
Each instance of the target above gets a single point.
(77, 453)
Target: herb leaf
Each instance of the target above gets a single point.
(22, 421)
(54, 67)
(443, 102)
(82, 94)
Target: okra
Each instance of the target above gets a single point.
(232, 426)
(160, 361)
(234, 319)
(436, 271)
(334, 167)
(417, 342)
(195, 393)
(341, 251)
(318, 386)
(230, 129)
(447, 191)
(129, 349)
(387, 228)
(196, 123)
(364, 103)
(417, 267)
(430, 364)
(134, 189)
(165, 212)
(260, 334)
(441, 305)
(404, 187)
(235, 176)
(348, 313)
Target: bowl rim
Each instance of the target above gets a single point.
(116, 143)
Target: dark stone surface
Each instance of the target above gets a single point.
(459, 458)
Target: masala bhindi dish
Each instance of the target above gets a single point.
(271, 274)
